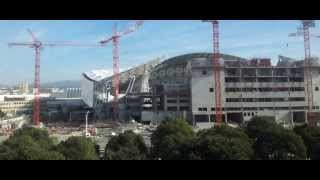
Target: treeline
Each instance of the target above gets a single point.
(261, 139)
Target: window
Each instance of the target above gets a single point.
(171, 101)
(297, 89)
(203, 109)
(244, 114)
(204, 72)
(281, 108)
(232, 109)
(233, 100)
(172, 108)
(184, 101)
(184, 108)
(317, 88)
(297, 99)
(211, 90)
(250, 109)
(201, 118)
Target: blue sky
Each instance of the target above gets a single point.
(154, 39)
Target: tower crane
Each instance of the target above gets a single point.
(216, 70)
(38, 46)
(115, 39)
(305, 32)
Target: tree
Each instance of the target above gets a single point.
(126, 146)
(78, 148)
(41, 136)
(29, 144)
(169, 139)
(223, 143)
(260, 124)
(2, 114)
(273, 142)
(311, 138)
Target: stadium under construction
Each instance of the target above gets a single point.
(183, 87)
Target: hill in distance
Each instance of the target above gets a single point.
(62, 84)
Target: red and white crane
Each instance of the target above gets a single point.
(305, 32)
(38, 46)
(115, 39)
(216, 70)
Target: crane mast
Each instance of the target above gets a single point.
(115, 39)
(216, 70)
(116, 75)
(306, 24)
(305, 32)
(36, 107)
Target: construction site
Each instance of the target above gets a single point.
(204, 88)
(248, 88)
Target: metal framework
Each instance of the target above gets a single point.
(216, 70)
(116, 71)
(308, 75)
(36, 107)
(115, 38)
(305, 32)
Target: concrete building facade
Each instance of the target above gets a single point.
(254, 88)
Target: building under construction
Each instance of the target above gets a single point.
(183, 87)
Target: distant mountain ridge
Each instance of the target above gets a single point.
(63, 84)
(3, 86)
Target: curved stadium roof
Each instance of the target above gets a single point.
(184, 59)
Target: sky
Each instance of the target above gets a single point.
(155, 38)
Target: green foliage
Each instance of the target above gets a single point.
(2, 114)
(126, 146)
(41, 136)
(170, 138)
(78, 148)
(311, 138)
(273, 142)
(260, 124)
(262, 139)
(223, 143)
(29, 144)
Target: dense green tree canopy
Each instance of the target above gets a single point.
(126, 146)
(262, 138)
(260, 124)
(273, 142)
(78, 148)
(29, 144)
(169, 139)
(311, 138)
(223, 143)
